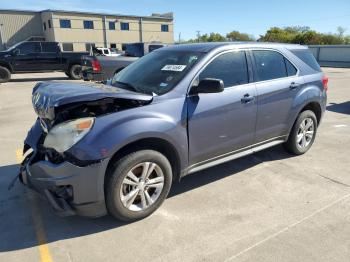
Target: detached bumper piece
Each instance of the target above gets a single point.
(70, 189)
(59, 204)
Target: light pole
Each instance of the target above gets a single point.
(1, 43)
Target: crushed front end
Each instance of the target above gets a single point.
(72, 180)
(71, 186)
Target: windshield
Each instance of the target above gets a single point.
(158, 72)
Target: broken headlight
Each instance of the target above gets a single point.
(65, 135)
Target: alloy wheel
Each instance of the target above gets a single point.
(142, 186)
(305, 133)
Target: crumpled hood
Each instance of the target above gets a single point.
(48, 96)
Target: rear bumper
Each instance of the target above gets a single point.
(70, 189)
(88, 75)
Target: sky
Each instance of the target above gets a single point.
(222, 16)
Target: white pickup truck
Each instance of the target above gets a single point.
(108, 52)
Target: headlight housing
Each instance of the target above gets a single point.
(65, 135)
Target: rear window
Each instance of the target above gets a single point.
(307, 58)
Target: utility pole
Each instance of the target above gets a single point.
(179, 38)
(198, 35)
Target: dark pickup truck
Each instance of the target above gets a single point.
(33, 56)
(100, 68)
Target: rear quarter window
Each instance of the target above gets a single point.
(307, 57)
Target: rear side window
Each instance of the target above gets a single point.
(269, 64)
(230, 67)
(49, 47)
(307, 58)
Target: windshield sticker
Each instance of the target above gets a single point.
(163, 84)
(176, 68)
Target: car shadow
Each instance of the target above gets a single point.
(17, 212)
(342, 108)
(34, 79)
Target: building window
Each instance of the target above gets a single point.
(165, 28)
(67, 47)
(111, 25)
(44, 25)
(124, 26)
(124, 47)
(88, 24)
(65, 23)
(113, 45)
(88, 46)
(49, 23)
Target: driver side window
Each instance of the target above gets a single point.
(29, 48)
(229, 67)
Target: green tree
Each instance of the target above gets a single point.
(212, 37)
(304, 35)
(276, 34)
(238, 36)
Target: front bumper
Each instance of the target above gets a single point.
(69, 189)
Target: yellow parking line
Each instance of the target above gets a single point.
(19, 156)
(44, 250)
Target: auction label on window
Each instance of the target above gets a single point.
(176, 68)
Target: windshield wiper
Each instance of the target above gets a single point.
(128, 86)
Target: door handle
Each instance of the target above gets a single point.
(247, 98)
(293, 85)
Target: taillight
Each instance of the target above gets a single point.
(325, 83)
(96, 66)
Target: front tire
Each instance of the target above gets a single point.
(74, 72)
(303, 133)
(5, 74)
(137, 185)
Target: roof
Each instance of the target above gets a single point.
(207, 47)
(166, 16)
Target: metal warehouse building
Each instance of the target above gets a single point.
(77, 31)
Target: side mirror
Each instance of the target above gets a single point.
(16, 52)
(208, 85)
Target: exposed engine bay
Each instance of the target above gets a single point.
(56, 102)
(92, 109)
(59, 102)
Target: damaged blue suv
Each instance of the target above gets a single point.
(117, 148)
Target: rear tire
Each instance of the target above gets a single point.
(5, 74)
(137, 185)
(74, 72)
(303, 133)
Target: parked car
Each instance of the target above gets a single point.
(99, 68)
(118, 148)
(33, 56)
